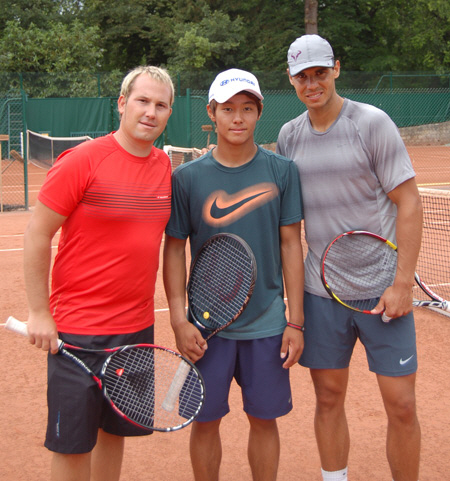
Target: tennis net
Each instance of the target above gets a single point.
(433, 265)
(43, 150)
(181, 155)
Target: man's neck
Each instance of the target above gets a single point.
(133, 147)
(322, 119)
(231, 155)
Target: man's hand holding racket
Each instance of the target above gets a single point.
(42, 332)
(189, 339)
(396, 301)
(292, 344)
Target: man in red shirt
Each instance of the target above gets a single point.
(111, 197)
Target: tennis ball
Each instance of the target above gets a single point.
(206, 315)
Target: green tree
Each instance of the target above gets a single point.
(38, 12)
(56, 50)
(133, 32)
(210, 43)
(63, 48)
(388, 36)
(194, 36)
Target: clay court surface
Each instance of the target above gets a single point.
(165, 456)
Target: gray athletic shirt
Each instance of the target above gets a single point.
(346, 173)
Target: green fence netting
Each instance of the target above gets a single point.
(62, 105)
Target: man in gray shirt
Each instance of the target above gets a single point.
(356, 174)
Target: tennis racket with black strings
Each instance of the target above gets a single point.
(358, 266)
(221, 282)
(135, 379)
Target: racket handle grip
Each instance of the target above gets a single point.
(19, 327)
(176, 385)
(14, 325)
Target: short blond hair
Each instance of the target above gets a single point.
(156, 73)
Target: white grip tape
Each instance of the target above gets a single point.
(175, 387)
(19, 327)
(14, 325)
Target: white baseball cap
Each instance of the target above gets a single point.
(231, 82)
(309, 51)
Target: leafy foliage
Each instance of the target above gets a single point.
(64, 48)
(191, 37)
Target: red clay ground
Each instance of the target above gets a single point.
(163, 456)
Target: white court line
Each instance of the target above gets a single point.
(156, 310)
(20, 249)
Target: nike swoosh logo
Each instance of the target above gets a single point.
(404, 361)
(219, 212)
(222, 209)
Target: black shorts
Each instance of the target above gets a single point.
(76, 406)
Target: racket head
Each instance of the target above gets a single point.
(428, 290)
(357, 267)
(433, 300)
(136, 380)
(221, 282)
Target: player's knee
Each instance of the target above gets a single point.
(258, 424)
(330, 396)
(204, 429)
(402, 410)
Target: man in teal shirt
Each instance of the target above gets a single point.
(240, 188)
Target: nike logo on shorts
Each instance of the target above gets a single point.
(405, 361)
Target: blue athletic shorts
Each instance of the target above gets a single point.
(331, 332)
(76, 406)
(257, 367)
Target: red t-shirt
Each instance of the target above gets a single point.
(117, 206)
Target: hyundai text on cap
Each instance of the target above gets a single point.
(232, 82)
(309, 51)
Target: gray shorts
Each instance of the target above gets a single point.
(76, 406)
(331, 332)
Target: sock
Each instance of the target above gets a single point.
(340, 475)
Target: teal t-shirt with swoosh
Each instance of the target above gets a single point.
(252, 201)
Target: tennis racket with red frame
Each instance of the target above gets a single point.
(135, 380)
(358, 266)
(221, 282)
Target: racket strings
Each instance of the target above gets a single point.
(220, 282)
(358, 269)
(137, 379)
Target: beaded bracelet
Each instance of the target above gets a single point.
(296, 326)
